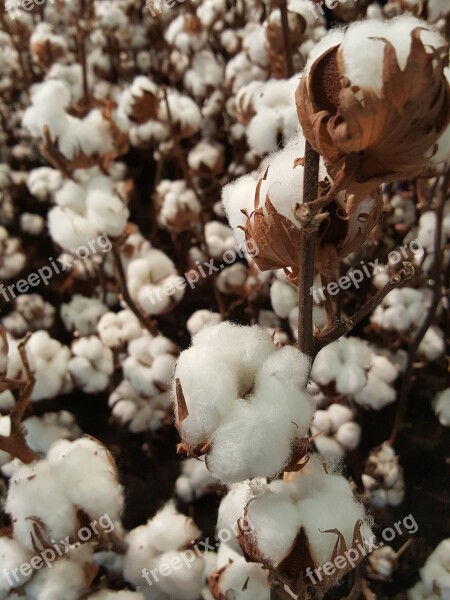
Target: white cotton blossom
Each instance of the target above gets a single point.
(434, 581)
(250, 435)
(346, 363)
(12, 259)
(116, 329)
(312, 500)
(205, 157)
(154, 283)
(82, 314)
(195, 480)
(232, 279)
(205, 73)
(138, 412)
(335, 430)
(441, 406)
(31, 313)
(200, 318)
(383, 477)
(91, 365)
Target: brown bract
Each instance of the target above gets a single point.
(367, 139)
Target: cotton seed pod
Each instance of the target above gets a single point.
(373, 107)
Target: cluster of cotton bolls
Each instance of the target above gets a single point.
(120, 124)
(434, 576)
(221, 413)
(383, 477)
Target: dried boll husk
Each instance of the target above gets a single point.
(273, 240)
(368, 137)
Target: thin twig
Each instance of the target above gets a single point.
(341, 327)
(306, 256)
(148, 324)
(436, 296)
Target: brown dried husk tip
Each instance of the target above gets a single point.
(367, 139)
(292, 569)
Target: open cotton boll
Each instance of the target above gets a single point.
(154, 283)
(65, 579)
(441, 406)
(195, 480)
(171, 530)
(49, 360)
(82, 314)
(432, 345)
(283, 296)
(238, 195)
(12, 556)
(185, 582)
(43, 432)
(139, 551)
(92, 364)
(232, 279)
(88, 475)
(345, 362)
(435, 577)
(244, 581)
(36, 491)
(12, 259)
(219, 239)
(115, 329)
(200, 318)
(49, 100)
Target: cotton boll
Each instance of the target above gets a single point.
(349, 435)
(283, 297)
(72, 461)
(245, 581)
(31, 313)
(338, 415)
(378, 392)
(329, 447)
(12, 260)
(115, 329)
(441, 406)
(31, 224)
(232, 279)
(12, 556)
(82, 314)
(36, 491)
(200, 318)
(185, 582)
(92, 364)
(49, 359)
(65, 579)
(236, 196)
(43, 432)
(432, 345)
(140, 551)
(195, 480)
(170, 530)
(43, 182)
(219, 238)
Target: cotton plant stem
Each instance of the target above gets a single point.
(436, 296)
(286, 39)
(148, 324)
(341, 327)
(308, 239)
